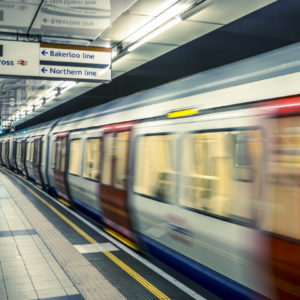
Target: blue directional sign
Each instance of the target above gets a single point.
(75, 62)
(57, 62)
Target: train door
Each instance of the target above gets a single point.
(37, 155)
(6, 153)
(114, 182)
(14, 154)
(23, 157)
(1, 161)
(60, 167)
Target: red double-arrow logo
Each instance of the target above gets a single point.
(22, 62)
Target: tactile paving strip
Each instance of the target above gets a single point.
(90, 283)
(94, 248)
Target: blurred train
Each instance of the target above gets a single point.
(203, 173)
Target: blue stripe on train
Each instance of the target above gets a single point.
(91, 212)
(209, 279)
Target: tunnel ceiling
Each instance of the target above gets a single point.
(270, 27)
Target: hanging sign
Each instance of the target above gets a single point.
(52, 61)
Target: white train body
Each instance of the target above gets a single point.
(202, 216)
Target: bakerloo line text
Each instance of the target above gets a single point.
(72, 72)
(71, 54)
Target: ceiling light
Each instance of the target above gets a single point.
(37, 106)
(158, 21)
(103, 70)
(65, 84)
(49, 99)
(154, 33)
(58, 40)
(29, 108)
(69, 86)
(114, 52)
(165, 5)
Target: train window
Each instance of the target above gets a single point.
(219, 172)
(281, 213)
(109, 150)
(242, 155)
(155, 167)
(27, 151)
(92, 159)
(208, 172)
(121, 156)
(75, 157)
(63, 154)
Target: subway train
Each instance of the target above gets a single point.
(202, 173)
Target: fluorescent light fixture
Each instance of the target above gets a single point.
(69, 86)
(38, 103)
(51, 91)
(51, 94)
(29, 108)
(154, 33)
(58, 40)
(49, 99)
(162, 7)
(158, 21)
(114, 52)
(65, 84)
(103, 71)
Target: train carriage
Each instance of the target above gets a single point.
(190, 171)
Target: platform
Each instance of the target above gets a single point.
(48, 251)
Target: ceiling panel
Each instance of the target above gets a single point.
(184, 32)
(120, 31)
(16, 17)
(226, 11)
(86, 20)
(150, 7)
(150, 51)
(125, 63)
(25, 1)
(117, 74)
(78, 20)
(119, 6)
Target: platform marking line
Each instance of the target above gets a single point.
(145, 283)
(95, 248)
(130, 252)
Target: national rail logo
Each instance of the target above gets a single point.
(22, 62)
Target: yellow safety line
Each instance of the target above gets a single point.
(64, 201)
(145, 283)
(136, 276)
